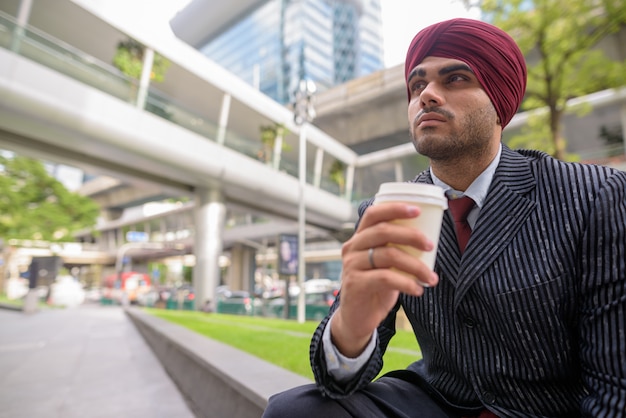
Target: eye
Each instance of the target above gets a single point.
(418, 85)
(455, 78)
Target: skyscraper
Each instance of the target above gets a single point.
(283, 41)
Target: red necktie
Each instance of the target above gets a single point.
(459, 209)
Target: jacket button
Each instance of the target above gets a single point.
(489, 398)
(469, 322)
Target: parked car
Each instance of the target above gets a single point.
(316, 308)
(93, 294)
(237, 302)
(169, 297)
(149, 298)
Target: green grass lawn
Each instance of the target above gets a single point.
(278, 341)
(14, 302)
(20, 302)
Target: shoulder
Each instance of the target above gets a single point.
(549, 170)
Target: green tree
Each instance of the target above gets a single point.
(337, 174)
(269, 135)
(129, 60)
(562, 45)
(34, 205)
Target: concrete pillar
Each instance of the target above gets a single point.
(319, 162)
(349, 181)
(399, 174)
(210, 213)
(278, 149)
(23, 15)
(144, 82)
(242, 267)
(31, 302)
(223, 123)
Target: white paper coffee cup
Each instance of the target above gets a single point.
(432, 203)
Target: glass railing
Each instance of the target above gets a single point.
(55, 54)
(66, 59)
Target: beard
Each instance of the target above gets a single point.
(470, 137)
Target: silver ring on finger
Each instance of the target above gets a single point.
(370, 256)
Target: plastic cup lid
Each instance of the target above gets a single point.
(422, 190)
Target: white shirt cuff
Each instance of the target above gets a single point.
(340, 367)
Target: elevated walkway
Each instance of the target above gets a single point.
(61, 104)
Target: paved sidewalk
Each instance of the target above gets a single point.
(86, 362)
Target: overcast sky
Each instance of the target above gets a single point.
(402, 19)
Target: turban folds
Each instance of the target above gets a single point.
(490, 52)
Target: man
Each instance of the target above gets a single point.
(529, 320)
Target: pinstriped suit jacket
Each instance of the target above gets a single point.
(531, 320)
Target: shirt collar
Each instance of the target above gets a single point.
(479, 187)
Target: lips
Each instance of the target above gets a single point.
(430, 118)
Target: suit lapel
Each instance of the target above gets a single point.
(504, 212)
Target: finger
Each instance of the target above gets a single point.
(370, 258)
(387, 212)
(381, 281)
(405, 260)
(384, 233)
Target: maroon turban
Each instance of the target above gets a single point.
(490, 52)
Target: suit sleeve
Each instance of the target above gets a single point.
(324, 380)
(603, 302)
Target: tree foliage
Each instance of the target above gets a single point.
(269, 135)
(566, 57)
(129, 60)
(337, 174)
(34, 205)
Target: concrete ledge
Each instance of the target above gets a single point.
(11, 307)
(217, 380)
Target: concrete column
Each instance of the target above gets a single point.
(242, 267)
(278, 149)
(210, 213)
(144, 82)
(223, 123)
(23, 15)
(349, 181)
(398, 171)
(319, 162)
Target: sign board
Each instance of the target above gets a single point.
(136, 236)
(288, 254)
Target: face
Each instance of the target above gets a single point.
(450, 115)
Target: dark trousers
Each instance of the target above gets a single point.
(388, 397)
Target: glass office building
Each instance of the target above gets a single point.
(284, 41)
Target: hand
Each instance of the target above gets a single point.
(369, 292)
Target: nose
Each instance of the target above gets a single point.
(431, 96)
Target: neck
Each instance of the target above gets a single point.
(459, 173)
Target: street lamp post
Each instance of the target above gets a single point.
(303, 114)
